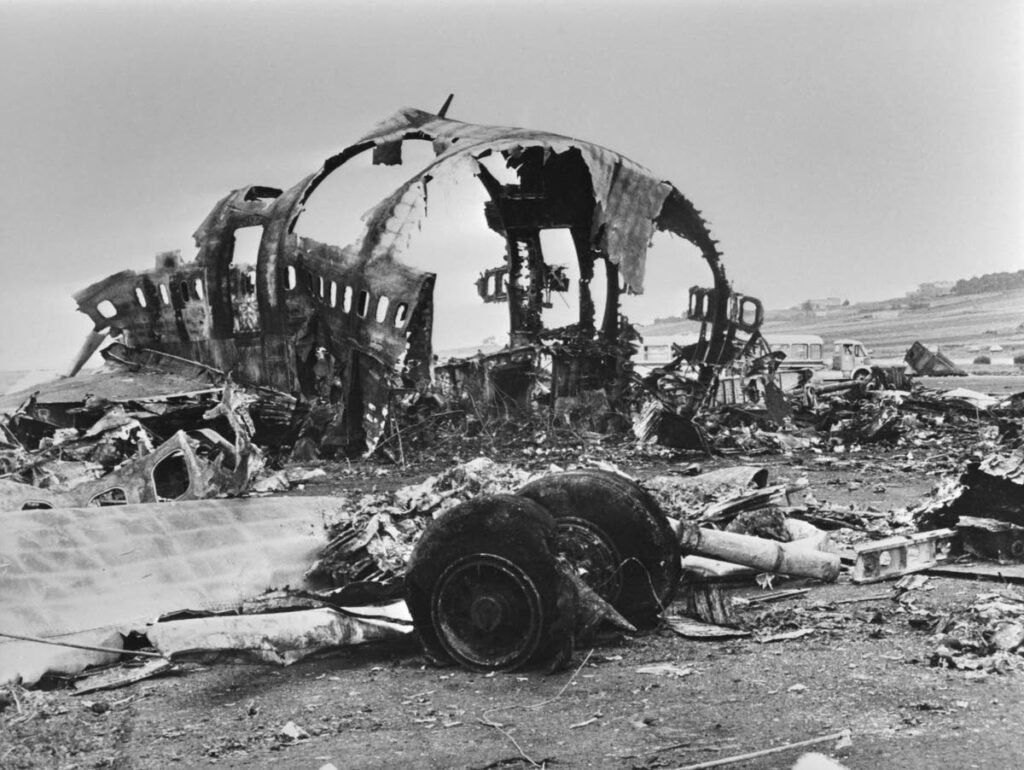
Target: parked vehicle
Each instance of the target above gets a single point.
(656, 351)
(850, 358)
(803, 351)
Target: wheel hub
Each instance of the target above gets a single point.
(593, 554)
(487, 613)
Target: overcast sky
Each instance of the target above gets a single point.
(845, 148)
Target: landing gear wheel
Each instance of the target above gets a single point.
(484, 588)
(617, 537)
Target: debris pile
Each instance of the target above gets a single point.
(137, 443)
(987, 637)
(932, 363)
(688, 496)
(948, 425)
(374, 538)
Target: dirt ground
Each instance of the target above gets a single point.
(864, 668)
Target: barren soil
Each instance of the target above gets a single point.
(864, 668)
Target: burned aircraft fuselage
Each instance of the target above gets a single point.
(348, 325)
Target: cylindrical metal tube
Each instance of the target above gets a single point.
(767, 555)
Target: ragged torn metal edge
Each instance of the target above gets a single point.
(698, 629)
(784, 636)
(282, 638)
(122, 676)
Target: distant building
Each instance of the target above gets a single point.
(828, 303)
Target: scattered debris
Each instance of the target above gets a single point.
(665, 669)
(281, 638)
(992, 539)
(774, 596)
(841, 739)
(706, 602)
(933, 364)
(785, 637)
(896, 556)
(687, 495)
(112, 679)
(991, 488)
(695, 629)
(292, 733)
(373, 538)
(986, 637)
(789, 559)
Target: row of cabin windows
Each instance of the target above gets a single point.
(190, 289)
(327, 292)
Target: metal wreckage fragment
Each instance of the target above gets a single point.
(103, 454)
(349, 329)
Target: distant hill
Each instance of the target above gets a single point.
(990, 282)
(955, 322)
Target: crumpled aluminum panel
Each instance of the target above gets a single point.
(80, 569)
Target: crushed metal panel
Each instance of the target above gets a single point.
(895, 556)
(992, 489)
(172, 471)
(127, 376)
(927, 363)
(66, 571)
(185, 467)
(992, 539)
(277, 637)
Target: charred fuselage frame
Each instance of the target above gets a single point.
(348, 325)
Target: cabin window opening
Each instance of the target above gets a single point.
(401, 315)
(170, 477)
(114, 496)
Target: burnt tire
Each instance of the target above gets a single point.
(617, 537)
(484, 588)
